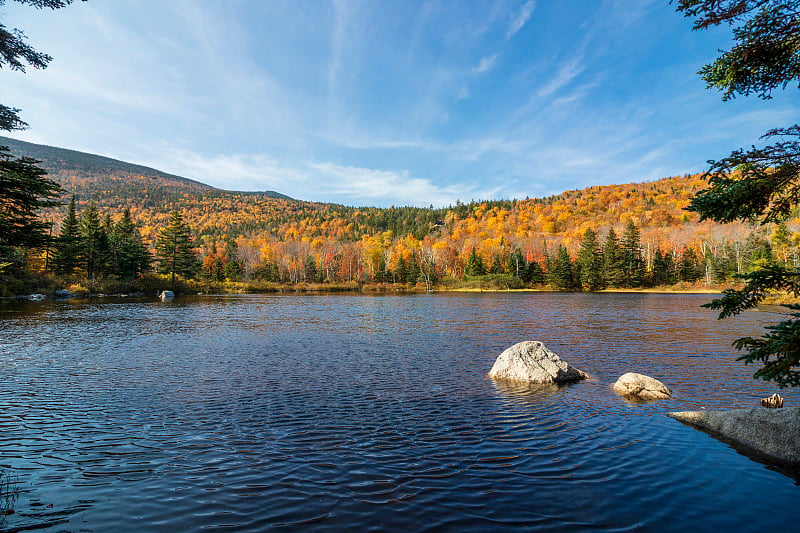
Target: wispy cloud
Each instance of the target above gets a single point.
(382, 187)
(486, 64)
(565, 75)
(521, 18)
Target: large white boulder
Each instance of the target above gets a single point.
(774, 432)
(641, 386)
(532, 362)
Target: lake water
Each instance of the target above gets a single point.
(333, 412)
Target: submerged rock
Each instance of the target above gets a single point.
(641, 386)
(532, 362)
(774, 432)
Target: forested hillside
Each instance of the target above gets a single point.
(634, 234)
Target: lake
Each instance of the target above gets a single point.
(333, 412)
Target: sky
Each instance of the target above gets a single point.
(379, 103)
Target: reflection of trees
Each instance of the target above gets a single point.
(9, 492)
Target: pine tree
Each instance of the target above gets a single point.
(534, 273)
(68, 246)
(561, 276)
(689, 269)
(516, 264)
(130, 254)
(613, 261)
(310, 269)
(633, 264)
(93, 241)
(590, 262)
(474, 265)
(174, 248)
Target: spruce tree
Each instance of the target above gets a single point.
(633, 264)
(516, 264)
(613, 261)
(590, 262)
(174, 248)
(93, 241)
(130, 254)
(560, 276)
(474, 265)
(68, 246)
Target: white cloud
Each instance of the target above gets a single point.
(565, 75)
(522, 17)
(486, 64)
(382, 187)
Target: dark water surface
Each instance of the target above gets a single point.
(374, 413)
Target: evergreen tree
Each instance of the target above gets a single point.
(561, 276)
(613, 261)
(760, 183)
(233, 266)
(24, 189)
(590, 262)
(68, 247)
(93, 241)
(516, 264)
(663, 269)
(130, 254)
(474, 265)
(689, 269)
(310, 269)
(534, 273)
(633, 264)
(174, 248)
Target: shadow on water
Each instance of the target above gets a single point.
(787, 469)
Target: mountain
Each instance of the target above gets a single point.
(97, 178)
(280, 237)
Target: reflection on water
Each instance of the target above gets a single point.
(344, 411)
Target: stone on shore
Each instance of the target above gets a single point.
(532, 362)
(773, 432)
(641, 387)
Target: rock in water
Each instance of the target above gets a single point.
(532, 362)
(774, 432)
(641, 386)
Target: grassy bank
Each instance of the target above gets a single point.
(153, 284)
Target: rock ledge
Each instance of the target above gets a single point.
(532, 362)
(774, 432)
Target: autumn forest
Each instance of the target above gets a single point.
(602, 237)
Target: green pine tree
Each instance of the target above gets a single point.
(174, 248)
(561, 276)
(131, 257)
(590, 262)
(93, 241)
(516, 264)
(68, 246)
(633, 263)
(474, 265)
(613, 261)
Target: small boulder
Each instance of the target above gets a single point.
(641, 386)
(774, 432)
(167, 296)
(532, 362)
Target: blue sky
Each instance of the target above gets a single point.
(385, 102)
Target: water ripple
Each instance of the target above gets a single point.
(372, 413)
